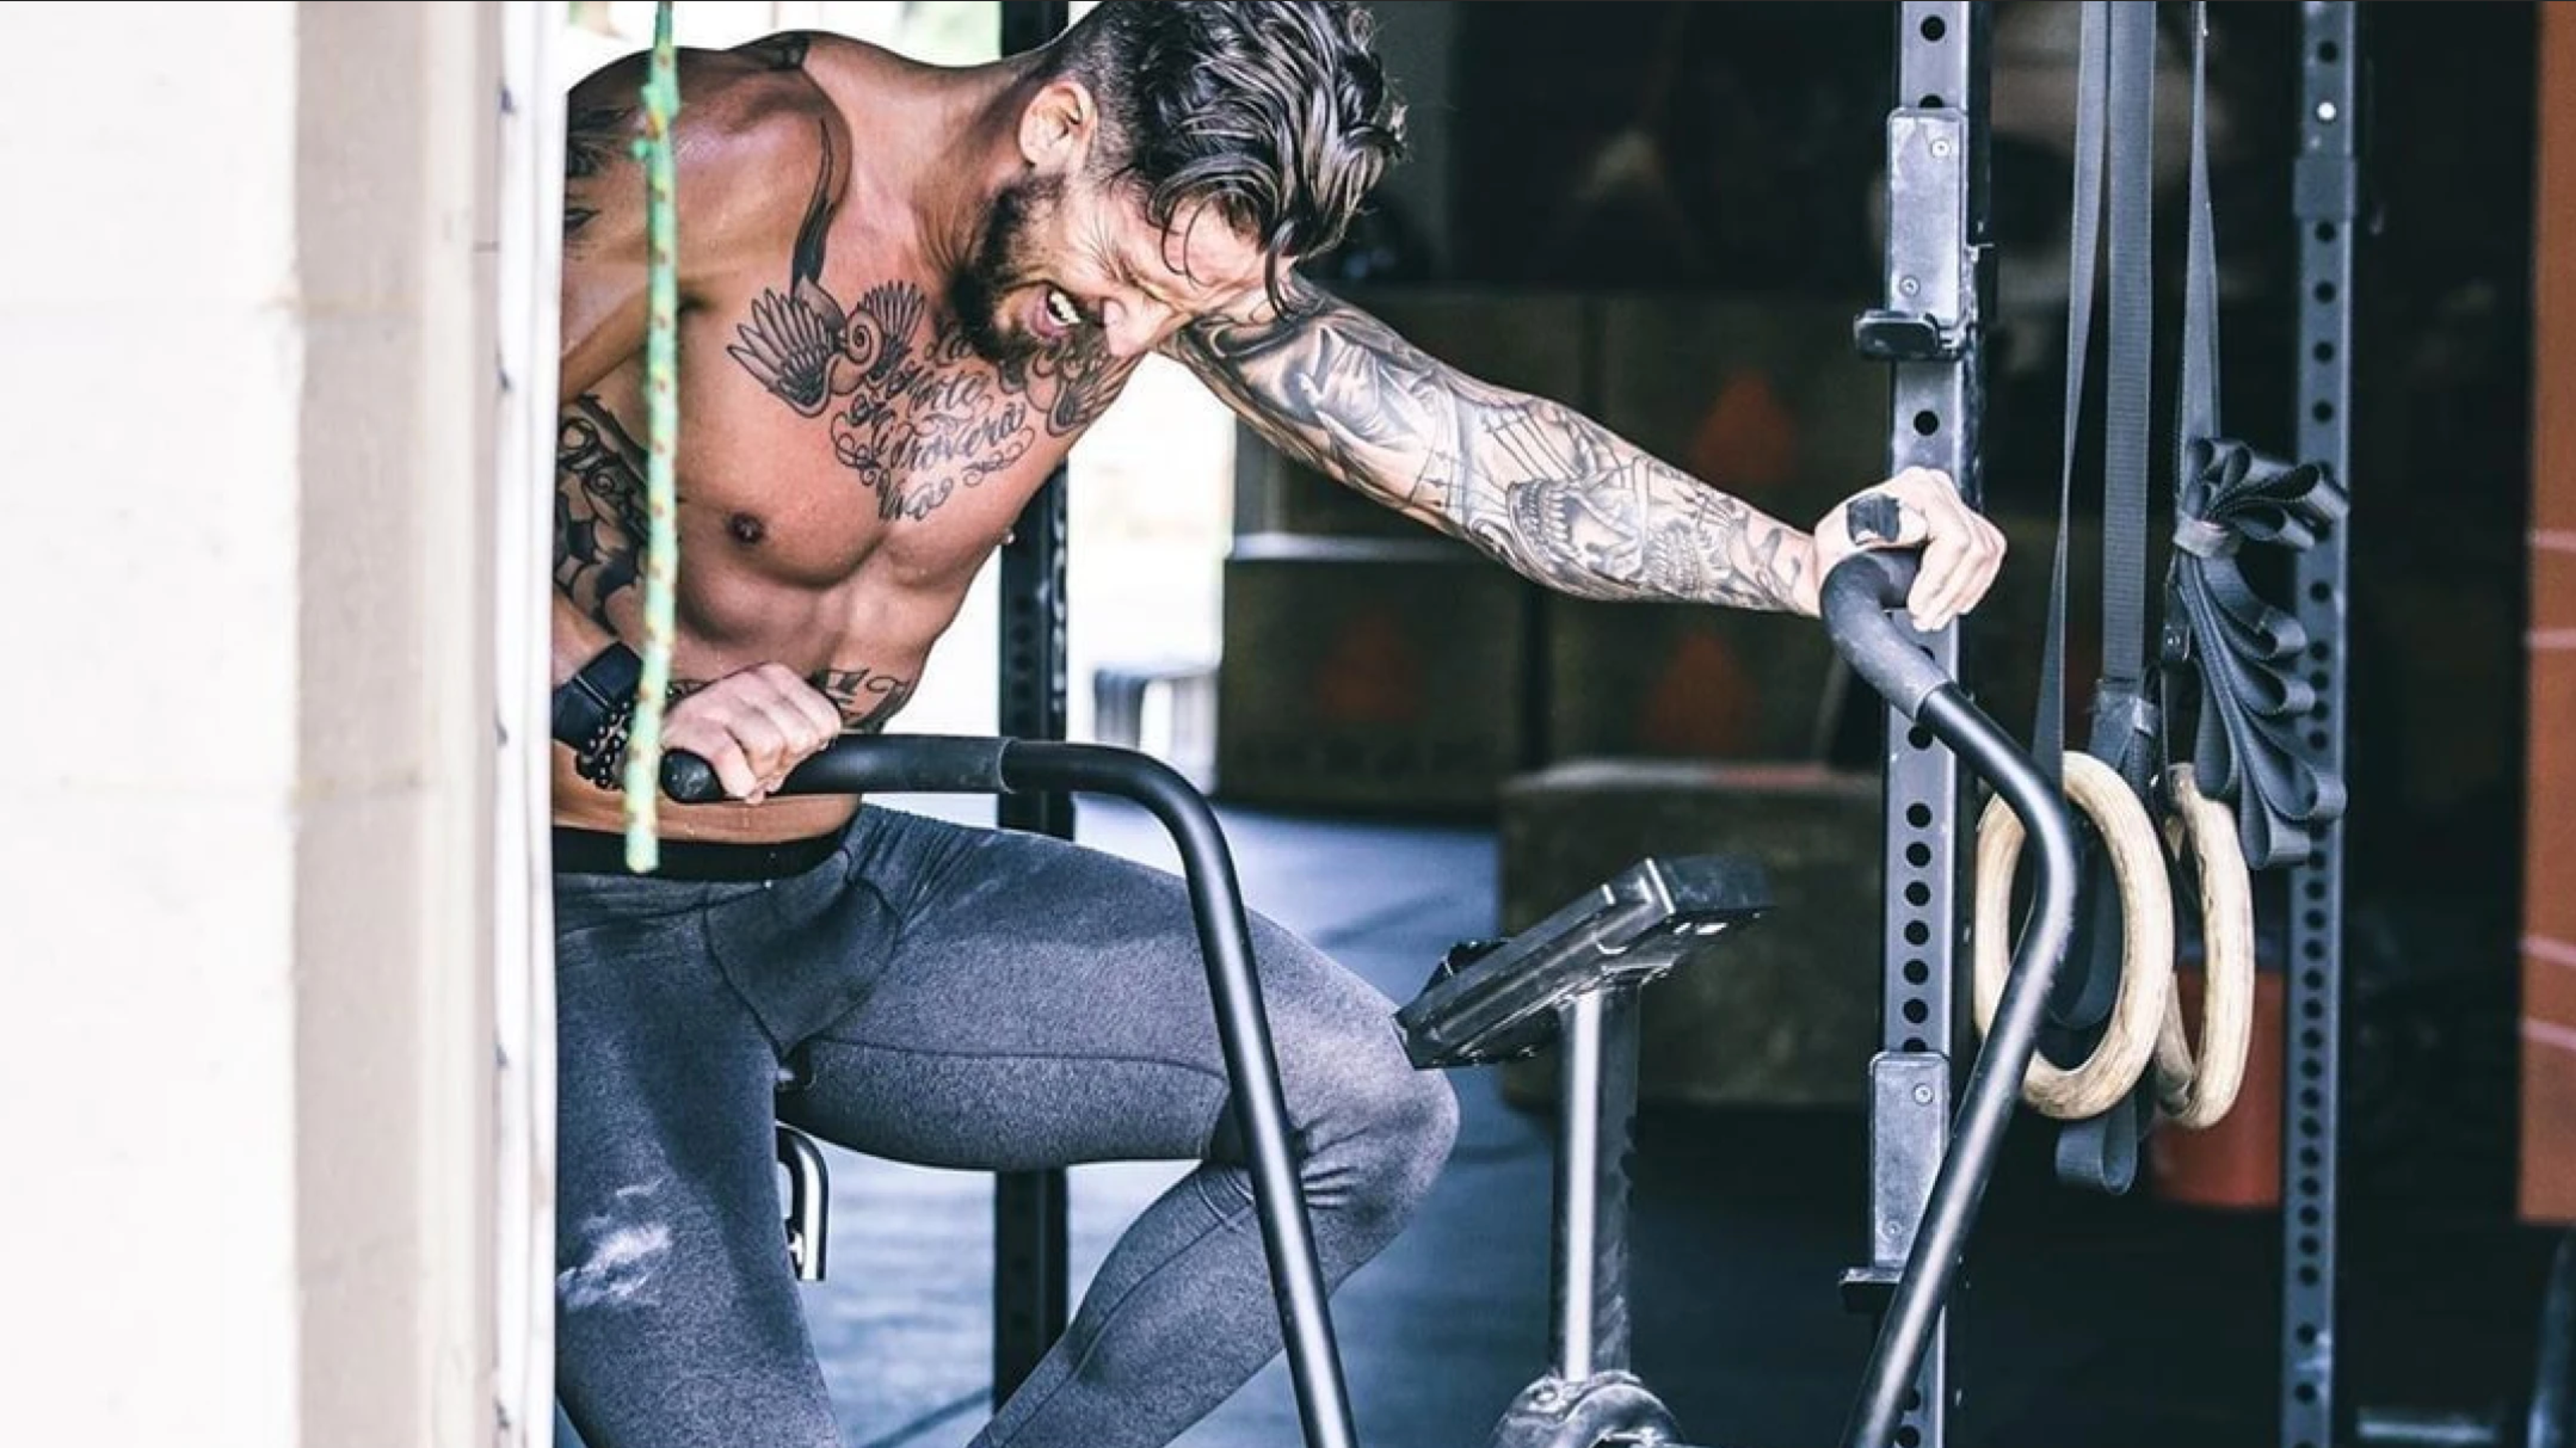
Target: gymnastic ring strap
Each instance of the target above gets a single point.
(2146, 940)
(2197, 1093)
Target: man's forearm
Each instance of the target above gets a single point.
(1564, 501)
(1535, 484)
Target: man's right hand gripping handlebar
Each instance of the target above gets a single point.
(751, 729)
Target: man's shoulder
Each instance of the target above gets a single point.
(747, 123)
(816, 52)
(759, 92)
(814, 68)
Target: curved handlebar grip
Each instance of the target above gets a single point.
(689, 779)
(1856, 601)
(864, 764)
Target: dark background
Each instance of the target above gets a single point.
(1767, 121)
(1770, 117)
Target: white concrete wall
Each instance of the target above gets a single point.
(245, 1050)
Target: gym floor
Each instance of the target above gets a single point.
(2087, 1322)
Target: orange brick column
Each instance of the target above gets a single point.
(2549, 889)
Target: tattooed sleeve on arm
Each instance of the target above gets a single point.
(1536, 485)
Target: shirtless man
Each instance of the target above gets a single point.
(905, 291)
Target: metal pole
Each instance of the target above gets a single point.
(1030, 1274)
(1928, 328)
(1912, 1322)
(1243, 1031)
(1597, 1106)
(2326, 185)
(1578, 1088)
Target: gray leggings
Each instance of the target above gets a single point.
(961, 997)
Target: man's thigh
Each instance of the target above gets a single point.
(678, 1321)
(1048, 1004)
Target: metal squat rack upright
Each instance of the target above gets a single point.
(1030, 1210)
(2325, 193)
(1938, 267)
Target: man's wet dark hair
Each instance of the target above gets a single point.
(1275, 111)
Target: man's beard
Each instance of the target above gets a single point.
(998, 267)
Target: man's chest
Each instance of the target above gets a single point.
(831, 434)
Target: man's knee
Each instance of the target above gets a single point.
(1372, 1131)
(1379, 1135)
(1414, 1123)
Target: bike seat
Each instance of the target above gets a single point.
(1490, 1001)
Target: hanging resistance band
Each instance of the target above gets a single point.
(2243, 651)
(662, 432)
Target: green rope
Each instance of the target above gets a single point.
(662, 427)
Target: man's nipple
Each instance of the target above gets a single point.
(746, 529)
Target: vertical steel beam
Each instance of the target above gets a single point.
(1929, 329)
(2326, 185)
(1030, 1274)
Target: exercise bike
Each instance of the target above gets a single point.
(1573, 978)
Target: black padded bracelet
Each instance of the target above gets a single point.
(602, 691)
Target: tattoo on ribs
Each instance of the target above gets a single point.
(1531, 482)
(912, 410)
(600, 523)
(867, 698)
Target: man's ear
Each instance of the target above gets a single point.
(1059, 125)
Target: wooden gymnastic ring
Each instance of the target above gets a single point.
(2197, 1094)
(2146, 940)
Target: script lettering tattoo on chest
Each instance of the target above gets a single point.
(600, 521)
(912, 410)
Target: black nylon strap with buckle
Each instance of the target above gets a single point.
(2115, 93)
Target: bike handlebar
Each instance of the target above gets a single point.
(869, 764)
(1856, 600)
